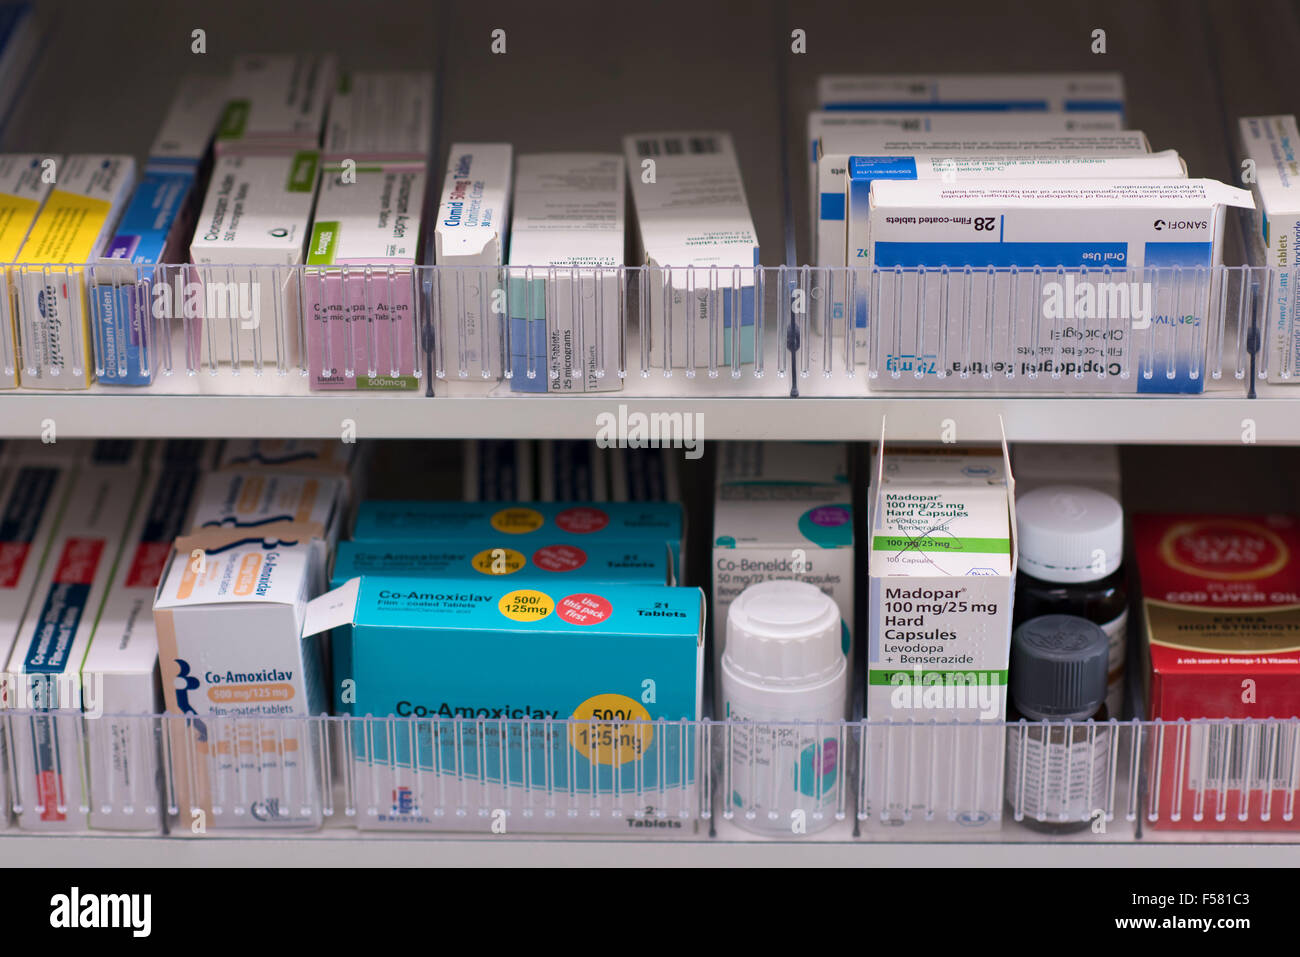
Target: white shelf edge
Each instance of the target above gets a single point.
(352, 851)
(1209, 419)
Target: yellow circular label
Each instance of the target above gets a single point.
(498, 561)
(612, 735)
(517, 521)
(526, 605)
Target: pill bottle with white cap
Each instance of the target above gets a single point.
(1071, 544)
(784, 680)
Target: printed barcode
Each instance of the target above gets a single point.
(675, 146)
(1222, 756)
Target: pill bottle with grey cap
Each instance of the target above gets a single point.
(783, 690)
(1058, 775)
(1071, 545)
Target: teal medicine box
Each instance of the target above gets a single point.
(514, 662)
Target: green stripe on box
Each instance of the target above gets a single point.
(886, 677)
(385, 383)
(922, 543)
(324, 243)
(302, 174)
(233, 120)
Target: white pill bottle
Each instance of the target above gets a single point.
(784, 679)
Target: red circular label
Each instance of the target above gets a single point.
(559, 558)
(1225, 549)
(582, 520)
(583, 609)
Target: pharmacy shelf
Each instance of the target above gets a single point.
(376, 851)
(1204, 420)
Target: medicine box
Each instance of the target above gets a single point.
(31, 502)
(515, 664)
(1271, 142)
(695, 233)
(252, 228)
(834, 135)
(565, 311)
(277, 103)
(1219, 607)
(523, 522)
(185, 136)
(122, 660)
(783, 510)
(45, 665)
(381, 116)
(470, 235)
(1001, 92)
(831, 223)
(254, 500)
(54, 316)
(154, 230)
(942, 566)
(240, 677)
(498, 470)
(25, 181)
(362, 309)
(1142, 303)
(648, 563)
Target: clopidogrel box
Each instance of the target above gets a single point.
(361, 304)
(1147, 246)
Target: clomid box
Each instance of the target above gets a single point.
(522, 522)
(380, 116)
(252, 228)
(1140, 304)
(567, 247)
(549, 684)
(470, 235)
(122, 660)
(45, 667)
(54, 315)
(240, 677)
(153, 232)
(1271, 143)
(277, 103)
(695, 232)
(25, 181)
(942, 567)
(783, 510)
(360, 288)
(1220, 600)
